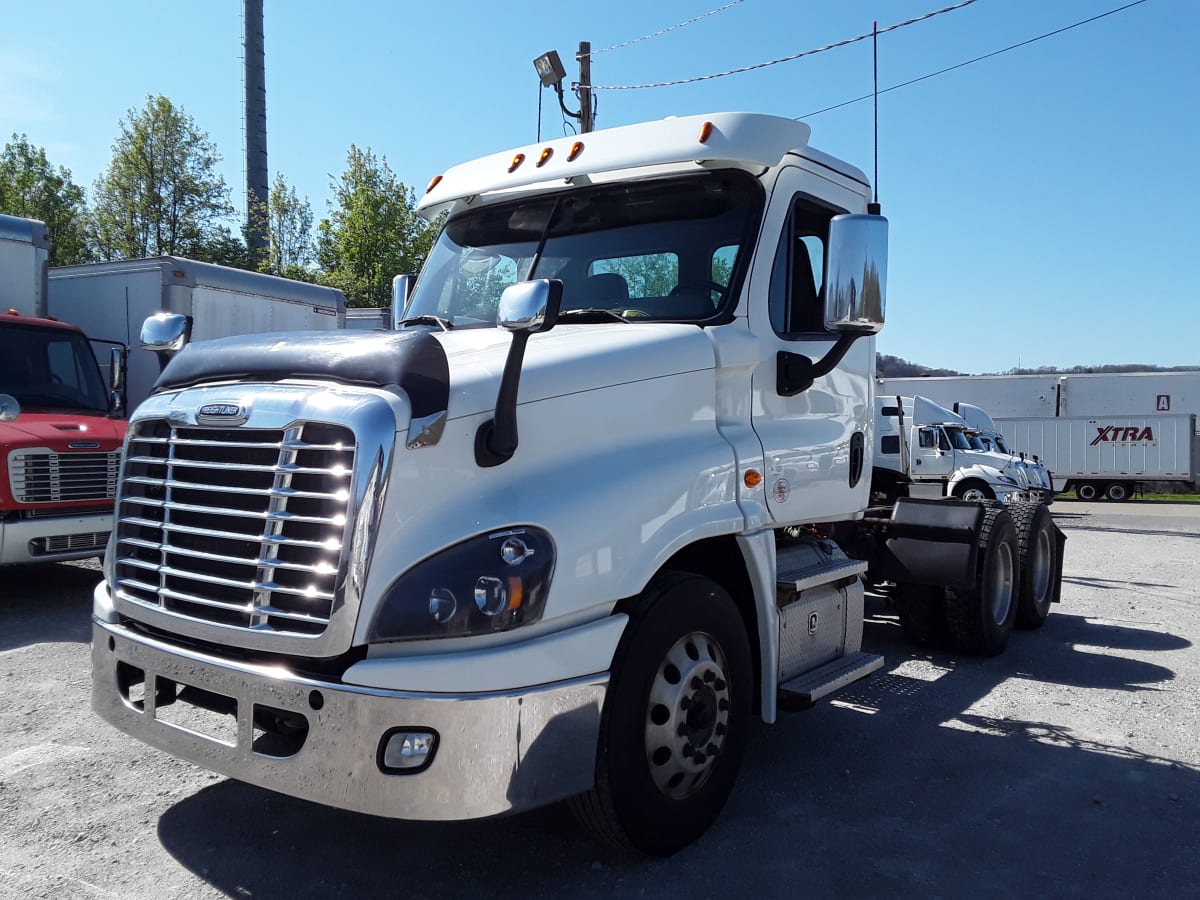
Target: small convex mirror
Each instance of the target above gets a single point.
(856, 284)
(9, 407)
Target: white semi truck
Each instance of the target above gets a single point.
(925, 450)
(112, 299)
(985, 434)
(600, 498)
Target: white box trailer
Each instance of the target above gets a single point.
(1110, 456)
(112, 299)
(1027, 396)
(24, 261)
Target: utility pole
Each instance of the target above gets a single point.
(257, 186)
(584, 56)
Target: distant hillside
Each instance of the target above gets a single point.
(894, 367)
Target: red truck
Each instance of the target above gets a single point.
(60, 442)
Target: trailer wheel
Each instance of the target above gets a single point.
(1087, 490)
(922, 611)
(675, 719)
(1117, 490)
(1038, 553)
(974, 491)
(980, 620)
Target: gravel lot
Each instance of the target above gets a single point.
(1069, 767)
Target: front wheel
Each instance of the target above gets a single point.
(675, 719)
(975, 491)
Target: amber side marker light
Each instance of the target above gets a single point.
(706, 131)
(752, 479)
(517, 160)
(433, 182)
(576, 149)
(545, 157)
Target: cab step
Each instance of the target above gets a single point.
(804, 690)
(798, 569)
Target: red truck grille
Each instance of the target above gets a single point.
(43, 476)
(240, 527)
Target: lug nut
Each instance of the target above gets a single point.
(720, 729)
(720, 685)
(685, 704)
(723, 705)
(688, 750)
(697, 684)
(699, 759)
(709, 677)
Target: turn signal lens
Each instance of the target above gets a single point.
(752, 478)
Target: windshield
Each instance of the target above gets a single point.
(50, 367)
(958, 439)
(666, 249)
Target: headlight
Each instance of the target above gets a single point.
(486, 584)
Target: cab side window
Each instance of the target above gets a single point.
(926, 439)
(798, 273)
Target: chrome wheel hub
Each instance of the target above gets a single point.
(687, 716)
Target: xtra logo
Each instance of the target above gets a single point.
(1119, 434)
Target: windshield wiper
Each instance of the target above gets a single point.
(594, 314)
(428, 319)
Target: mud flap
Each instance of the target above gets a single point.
(932, 542)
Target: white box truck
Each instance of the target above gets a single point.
(1110, 457)
(601, 498)
(112, 299)
(24, 262)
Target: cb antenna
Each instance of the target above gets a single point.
(873, 208)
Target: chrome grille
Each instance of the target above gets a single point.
(240, 527)
(43, 476)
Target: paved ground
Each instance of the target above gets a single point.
(1069, 767)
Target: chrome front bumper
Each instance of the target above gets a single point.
(496, 753)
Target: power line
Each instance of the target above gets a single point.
(774, 62)
(960, 65)
(711, 12)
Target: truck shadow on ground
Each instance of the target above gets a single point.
(897, 789)
(45, 604)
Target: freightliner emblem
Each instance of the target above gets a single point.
(222, 414)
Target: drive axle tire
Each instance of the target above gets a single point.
(675, 719)
(1038, 552)
(922, 612)
(981, 620)
(1087, 490)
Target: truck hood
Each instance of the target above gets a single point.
(62, 432)
(452, 372)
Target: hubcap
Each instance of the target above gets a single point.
(687, 716)
(1000, 582)
(974, 494)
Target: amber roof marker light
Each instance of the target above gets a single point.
(516, 161)
(433, 182)
(706, 131)
(576, 149)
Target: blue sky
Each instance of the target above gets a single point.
(1042, 203)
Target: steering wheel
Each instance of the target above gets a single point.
(713, 287)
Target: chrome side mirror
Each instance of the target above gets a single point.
(9, 407)
(530, 306)
(402, 286)
(856, 284)
(166, 332)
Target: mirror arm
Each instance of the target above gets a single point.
(795, 373)
(496, 439)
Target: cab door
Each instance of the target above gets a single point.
(932, 455)
(817, 440)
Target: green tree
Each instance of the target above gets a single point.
(288, 223)
(373, 232)
(161, 194)
(32, 188)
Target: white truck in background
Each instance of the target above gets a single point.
(925, 450)
(112, 299)
(984, 434)
(598, 500)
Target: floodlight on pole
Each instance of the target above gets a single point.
(550, 68)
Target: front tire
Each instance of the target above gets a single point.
(981, 620)
(975, 491)
(675, 719)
